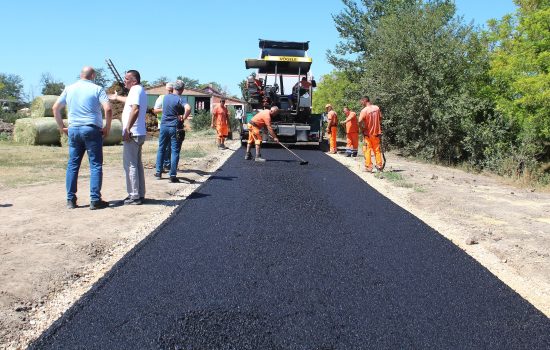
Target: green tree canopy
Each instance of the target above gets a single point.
(50, 86)
(11, 87)
(520, 64)
(190, 83)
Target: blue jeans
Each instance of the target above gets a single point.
(167, 140)
(85, 139)
(166, 160)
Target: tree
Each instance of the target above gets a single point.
(414, 59)
(11, 87)
(189, 82)
(243, 86)
(337, 89)
(160, 81)
(519, 64)
(101, 78)
(50, 86)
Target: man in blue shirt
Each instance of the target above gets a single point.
(175, 110)
(84, 100)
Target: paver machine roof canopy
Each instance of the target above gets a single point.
(281, 57)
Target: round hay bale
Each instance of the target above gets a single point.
(42, 107)
(36, 131)
(114, 138)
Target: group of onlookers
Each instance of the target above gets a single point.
(86, 130)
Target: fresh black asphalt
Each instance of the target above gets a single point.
(284, 256)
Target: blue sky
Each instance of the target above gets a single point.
(204, 40)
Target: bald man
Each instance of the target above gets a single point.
(85, 131)
(255, 126)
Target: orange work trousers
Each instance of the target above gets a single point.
(221, 130)
(332, 139)
(254, 136)
(353, 142)
(372, 143)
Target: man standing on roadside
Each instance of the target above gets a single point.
(175, 110)
(370, 121)
(84, 100)
(332, 128)
(157, 109)
(352, 132)
(220, 122)
(255, 126)
(133, 136)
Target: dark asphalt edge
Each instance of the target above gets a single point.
(445, 238)
(85, 298)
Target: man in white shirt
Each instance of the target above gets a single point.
(133, 136)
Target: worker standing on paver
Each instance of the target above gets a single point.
(255, 125)
(370, 121)
(220, 122)
(352, 132)
(332, 128)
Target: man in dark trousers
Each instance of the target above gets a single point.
(175, 110)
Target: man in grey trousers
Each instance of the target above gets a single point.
(133, 136)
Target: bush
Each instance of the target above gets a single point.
(201, 120)
(10, 117)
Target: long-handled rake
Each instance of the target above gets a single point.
(302, 161)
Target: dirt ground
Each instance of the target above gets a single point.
(50, 256)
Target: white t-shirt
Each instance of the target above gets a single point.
(136, 96)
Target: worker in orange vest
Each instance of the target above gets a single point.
(332, 128)
(370, 121)
(255, 125)
(220, 122)
(352, 132)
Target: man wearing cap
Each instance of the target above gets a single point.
(332, 128)
(352, 132)
(256, 124)
(157, 109)
(220, 122)
(175, 110)
(369, 120)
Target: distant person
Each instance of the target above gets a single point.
(255, 126)
(352, 132)
(85, 132)
(370, 121)
(157, 109)
(239, 113)
(332, 128)
(134, 133)
(220, 122)
(175, 110)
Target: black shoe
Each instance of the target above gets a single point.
(174, 179)
(248, 156)
(130, 201)
(158, 176)
(99, 204)
(71, 203)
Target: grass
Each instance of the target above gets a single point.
(22, 165)
(395, 178)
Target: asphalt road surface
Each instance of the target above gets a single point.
(284, 256)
